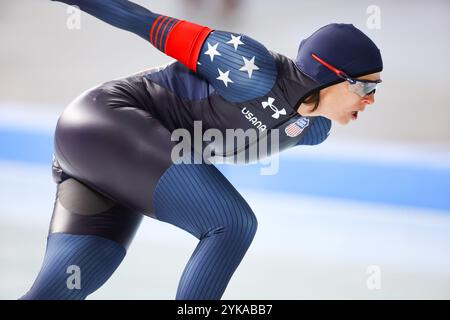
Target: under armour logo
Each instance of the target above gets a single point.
(269, 103)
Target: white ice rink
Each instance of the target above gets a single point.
(305, 247)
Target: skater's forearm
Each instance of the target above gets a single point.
(119, 13)
(186, 38)
(236, 75)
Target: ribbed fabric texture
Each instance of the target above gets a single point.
(161, 29)
(122, 14)
(231, 60)
(72, 260)
(317, 133)
(200, 200)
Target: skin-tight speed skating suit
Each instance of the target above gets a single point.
(112, 157)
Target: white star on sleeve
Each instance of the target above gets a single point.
(235, 41)
(212, 51)
(249, 66)
(225, 77)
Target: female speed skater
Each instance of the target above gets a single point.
(113, 159)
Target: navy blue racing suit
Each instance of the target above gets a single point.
(112, 157)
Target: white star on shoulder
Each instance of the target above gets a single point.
(249, 66)
(225, 77)
(212, 51)
(235, 41)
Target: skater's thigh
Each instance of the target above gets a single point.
(80, 210)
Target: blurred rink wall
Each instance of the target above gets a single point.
(374, 223)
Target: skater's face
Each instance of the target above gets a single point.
(340, 102)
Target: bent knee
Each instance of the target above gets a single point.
(239, 223)
(247, 224)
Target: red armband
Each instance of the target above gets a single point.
(185, 41)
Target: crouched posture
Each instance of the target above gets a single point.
(113, 146)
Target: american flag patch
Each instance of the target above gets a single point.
(294, 129)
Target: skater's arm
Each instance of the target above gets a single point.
(238, 67)
(317, 132)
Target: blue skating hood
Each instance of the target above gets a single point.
(344, 47)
